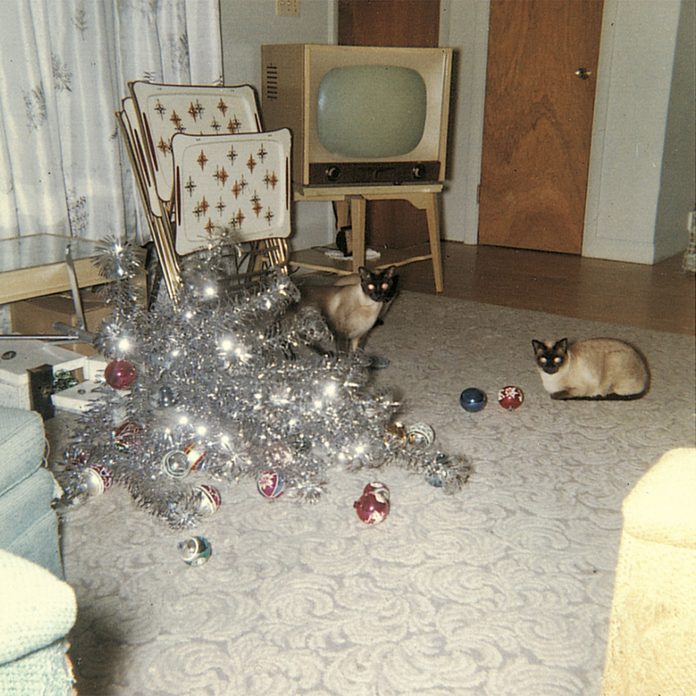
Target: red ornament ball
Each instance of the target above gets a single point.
(373, 505)
(510, 397)
(119, 374)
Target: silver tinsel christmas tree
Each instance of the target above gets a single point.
(231, 380)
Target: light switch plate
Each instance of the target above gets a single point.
(287, 8)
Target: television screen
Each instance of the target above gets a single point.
(371, 110)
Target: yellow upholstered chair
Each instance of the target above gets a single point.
(652, 634)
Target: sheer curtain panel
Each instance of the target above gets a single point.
(63, 169)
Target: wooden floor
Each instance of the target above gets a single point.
(659, 297)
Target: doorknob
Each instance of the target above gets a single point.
(583, 73)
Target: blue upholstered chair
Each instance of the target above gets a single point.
(37, 608)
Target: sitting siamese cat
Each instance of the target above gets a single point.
(354, 303)
(595, 368)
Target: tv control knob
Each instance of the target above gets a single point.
(419, 171)
(332, 173)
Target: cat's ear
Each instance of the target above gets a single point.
(389, 272)
(364, 272)
(562, 345)
(538, 345)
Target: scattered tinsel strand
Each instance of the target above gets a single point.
(230, 383)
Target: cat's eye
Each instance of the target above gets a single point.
(558, 360)
(370, 286)
(385, 286)
(543, 360)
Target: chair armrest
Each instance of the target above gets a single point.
(36, 608)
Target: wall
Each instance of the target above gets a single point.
(464, 27)
(641, 184)
(245, 26)
(678, 179)
(639, 142)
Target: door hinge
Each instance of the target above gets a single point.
(478, 194)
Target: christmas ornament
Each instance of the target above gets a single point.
(510, 397)
(194, 453)
(473, 399)
(209, 498)
(441, 470)
(127, 435)
(119, 374)
(98, 479)
(271, 484)
(397, 430)
(373, 505)
(176, 464)
(195, 551)
(420, 434)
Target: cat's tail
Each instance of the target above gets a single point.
(608, 397)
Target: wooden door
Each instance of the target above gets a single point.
(392, 224)
(538, 122)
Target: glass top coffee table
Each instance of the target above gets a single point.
(36, 265)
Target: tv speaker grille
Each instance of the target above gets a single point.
(271, 81)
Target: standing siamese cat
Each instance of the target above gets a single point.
(596, 368)
(354, 303)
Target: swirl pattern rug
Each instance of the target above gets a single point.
(503, 589)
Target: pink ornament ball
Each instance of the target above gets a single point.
(209, 498)
(119, 374)
(373, 505)
(510, 397)
(271, 484)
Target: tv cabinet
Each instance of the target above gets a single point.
(351, 203)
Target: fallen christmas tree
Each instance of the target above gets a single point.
(225, 383)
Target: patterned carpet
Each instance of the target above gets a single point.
(502, 589)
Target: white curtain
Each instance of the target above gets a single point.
(65, 64)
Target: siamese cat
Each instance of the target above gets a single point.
(596, 368)
(354, 303)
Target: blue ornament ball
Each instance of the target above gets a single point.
(473, 399)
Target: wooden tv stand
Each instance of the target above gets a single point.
(351, 204)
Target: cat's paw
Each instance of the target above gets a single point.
(561, 395)
(378, 362)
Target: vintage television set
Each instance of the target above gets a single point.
(359, 115)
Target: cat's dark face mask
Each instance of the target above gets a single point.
(550, 360)
(550, 365)
(379, 287)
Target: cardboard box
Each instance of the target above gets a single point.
(19, 357)
(84, 395)
(38, 316)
